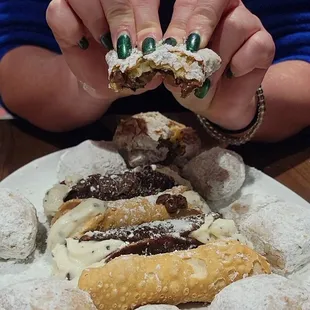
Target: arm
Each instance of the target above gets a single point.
(286, 87)
(37, 85)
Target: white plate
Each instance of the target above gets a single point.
(34, 179)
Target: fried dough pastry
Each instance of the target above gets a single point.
(188, 70)
(183, 276)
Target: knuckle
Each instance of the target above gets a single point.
(206, 15)
(186, 3)
(118, 9)
(264, 44)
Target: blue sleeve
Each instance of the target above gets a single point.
(23, 22)
(288, 21)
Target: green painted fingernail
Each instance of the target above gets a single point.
(106, 41)
(229, 73)
(193, 42)
(171, 41)
(203, 90)
(148, 46)
(124, 46)
(83, 44)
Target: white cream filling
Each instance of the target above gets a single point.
(71, 259)
(218, 229)
(54, 198)
(70, 222)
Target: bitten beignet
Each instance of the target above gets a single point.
(184, 276)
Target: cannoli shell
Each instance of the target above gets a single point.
(184, 276)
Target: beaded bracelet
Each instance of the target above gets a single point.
(224, 135)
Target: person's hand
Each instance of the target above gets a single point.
(246, 48)
(86, 29)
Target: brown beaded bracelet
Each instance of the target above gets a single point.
(224, 135)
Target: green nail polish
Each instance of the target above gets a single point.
(148, 46)
(106, 41)
(193, 42)
(83, 44)
(203, 90)
(229, 73)
(124, 46)
(171, 41)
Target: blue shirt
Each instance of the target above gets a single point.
(22, 22)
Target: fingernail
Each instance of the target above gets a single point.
(124, 46)
(83, 44)
(193, 42)
(203, 90)
(229, 73)
(148, 46)
(106, 41)
(171, 41)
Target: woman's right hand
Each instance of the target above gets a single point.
(86, 30)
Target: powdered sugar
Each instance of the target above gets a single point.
(216, 174)
(43, 294)
(18, 225)
(90, 157)
(260, 292)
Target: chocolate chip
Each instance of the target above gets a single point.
(173, 203)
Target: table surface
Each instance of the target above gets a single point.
(288, 161)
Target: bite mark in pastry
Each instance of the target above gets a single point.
(183, 276)
(188, 70)
(150, 138)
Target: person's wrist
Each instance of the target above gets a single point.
(234, 118)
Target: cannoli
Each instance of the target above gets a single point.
(96, 248)
(188, 70)
(44, 294)
(18, 225)
(93, 214)
(216, 174)
(90, 157)
(281, 232)
(261, 292)
(141, 182)
(183, 276)
(149, 138)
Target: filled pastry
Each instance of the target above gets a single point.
(216, 174)
(18, 225)
(281, 232)
(195, 275)
(149, 138)
(90, 157)
(188, 70)
(262, 292)
(44, 294)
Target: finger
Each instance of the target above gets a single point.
(182, 11)
(92, 16)
(147, 24)
(88, 64)
(120, 17)
(258, 52)
(231, 34)
(203, 21)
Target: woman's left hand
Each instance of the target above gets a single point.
(247, 51)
